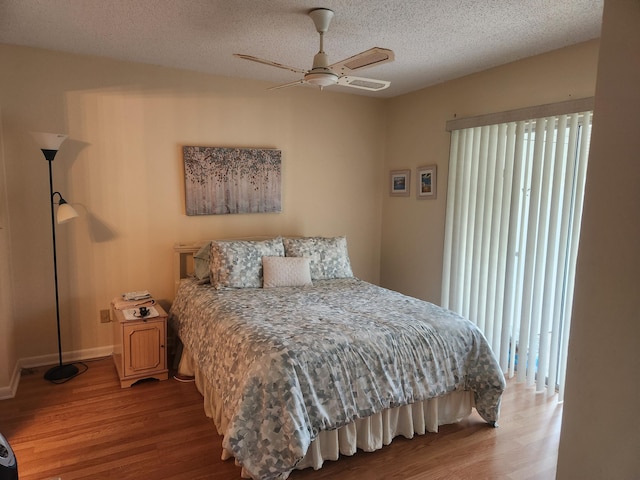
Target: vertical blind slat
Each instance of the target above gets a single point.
(472, 196)
(476, 251)
(502, 331)
(492, 233)
(449, 221)
(538, 336)
(486, 289)
(551, 270)
(567, 188)
(521, 233)
(575, 235)
(513, 256)
(458, 222)
(466, 167)
(529, 253)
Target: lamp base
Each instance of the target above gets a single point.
(61, 372)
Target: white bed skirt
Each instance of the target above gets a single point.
(367, 434)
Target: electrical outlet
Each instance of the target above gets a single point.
(104, 316)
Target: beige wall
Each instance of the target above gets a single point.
(413, 230)
(7, 346)
(122, 170)
(600, 424)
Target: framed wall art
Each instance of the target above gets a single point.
(427, 182)
(399, 182)
(221, 181)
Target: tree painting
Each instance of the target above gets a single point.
(221, 181)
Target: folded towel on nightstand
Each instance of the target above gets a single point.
(120, 303)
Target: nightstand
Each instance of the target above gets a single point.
(139, 349)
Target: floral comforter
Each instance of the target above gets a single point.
(289, 362)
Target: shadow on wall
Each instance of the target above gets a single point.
(99, 231)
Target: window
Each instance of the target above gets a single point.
(514, 207)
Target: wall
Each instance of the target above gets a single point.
(7, 348)
(413, 230)
(122, 170)
(600, 435)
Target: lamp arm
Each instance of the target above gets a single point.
(61, 201)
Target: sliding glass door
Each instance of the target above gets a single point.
(514, 206)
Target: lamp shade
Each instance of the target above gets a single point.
(49, 141)
(65, 212)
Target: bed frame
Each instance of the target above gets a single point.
(183, 261)
(367, 434)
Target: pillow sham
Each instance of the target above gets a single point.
(238, 263)
(286, 272)
(329, 256)
(201, 262)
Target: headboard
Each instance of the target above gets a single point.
(183, 261)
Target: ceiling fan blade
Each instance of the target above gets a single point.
(285, 85)
(269, 62)
(363, 83)
(369, 58)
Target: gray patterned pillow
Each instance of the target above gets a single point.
(201, 262)
(329, 256)
(238, 263)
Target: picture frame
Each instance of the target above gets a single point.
(427, 177)
(224, 181)
(399, 183)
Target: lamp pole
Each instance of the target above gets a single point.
(60, 371)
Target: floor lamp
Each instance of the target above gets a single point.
(50, 143)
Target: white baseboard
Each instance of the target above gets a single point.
(10, 390)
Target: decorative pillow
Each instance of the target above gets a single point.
(286, 272)
(329, 256)
(238, 263)
(201, 262)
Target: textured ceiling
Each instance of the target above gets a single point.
(433, 40)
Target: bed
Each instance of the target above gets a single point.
(300, 362)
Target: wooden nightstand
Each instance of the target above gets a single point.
(139, 349)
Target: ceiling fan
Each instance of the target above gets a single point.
(324, 75)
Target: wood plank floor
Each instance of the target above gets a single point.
(90, 428)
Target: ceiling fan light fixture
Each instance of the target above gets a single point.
(321, 79)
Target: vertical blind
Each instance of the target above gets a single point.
(514, 208)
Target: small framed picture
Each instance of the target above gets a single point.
(427, 182)
(400, 181)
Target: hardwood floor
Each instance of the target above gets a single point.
(90, 428)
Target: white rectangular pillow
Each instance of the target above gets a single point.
(286, 272)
